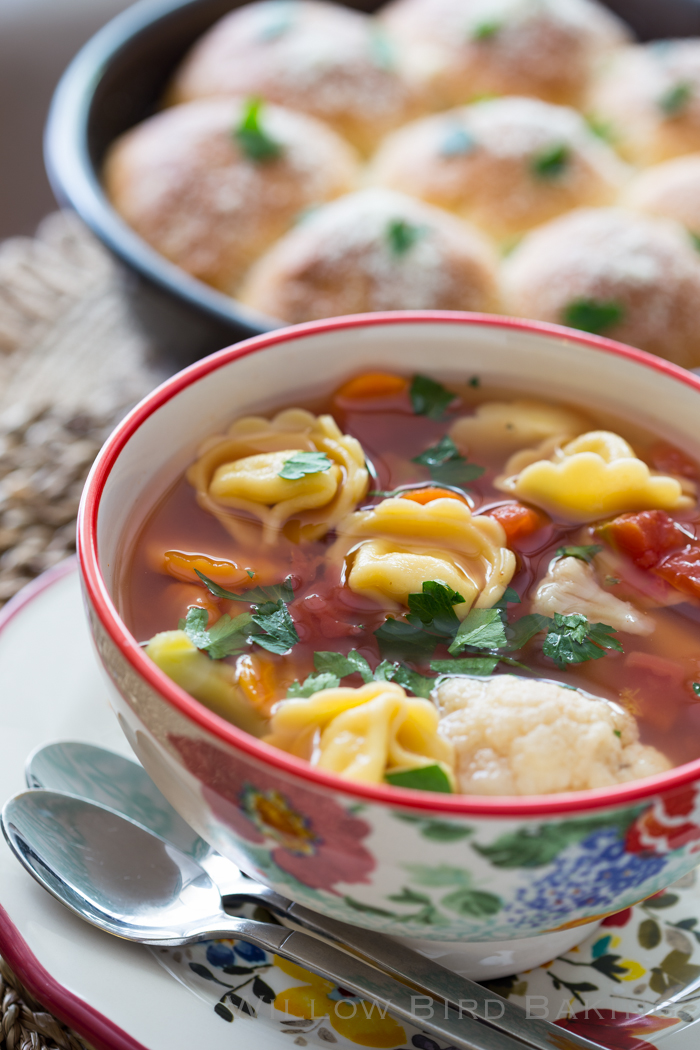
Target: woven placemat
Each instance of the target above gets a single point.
(72, 362)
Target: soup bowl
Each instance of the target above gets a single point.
(441, 868)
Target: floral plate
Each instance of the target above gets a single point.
(633, 985)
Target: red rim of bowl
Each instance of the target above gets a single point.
(455, 805)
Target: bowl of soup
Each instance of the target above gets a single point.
(400, 613)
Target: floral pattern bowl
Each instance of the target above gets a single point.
(412, 864)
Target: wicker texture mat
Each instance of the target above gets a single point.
(71, 364)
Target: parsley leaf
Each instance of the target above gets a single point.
(521, 631)
(551, 163)
(583, 553)
(337, 664)
(313, 684)
(419, 685)
(425, 778)
(486, 30)
(402, 235)
(396, 637)
(676, 98)
(480, 629)
(226, 637)
(433, 607)
(305, 463)
(274, 619)
(253, 140)
(572, 640)
(446, 464)
(472, 665)
(276, 592)
(510, 597)
(429, 398)
(696, 688)
(593, 315)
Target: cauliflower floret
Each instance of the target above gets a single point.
(519, 736)
(571, 586)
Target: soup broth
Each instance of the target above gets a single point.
(571, 559)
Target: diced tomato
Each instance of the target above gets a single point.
(518, 521)
(644, 537)
(427, 495)
(670, 460)
(682, 570)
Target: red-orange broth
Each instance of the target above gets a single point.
(653, 678)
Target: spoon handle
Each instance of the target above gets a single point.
(377, 989)
(412, 968)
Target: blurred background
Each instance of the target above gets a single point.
(39, 37)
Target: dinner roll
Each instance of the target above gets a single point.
(456, 50)
(671, 189)
(316, 57)
(506, 164)
(374, 250)
(649, 100)
(212, 184)
(613, 272)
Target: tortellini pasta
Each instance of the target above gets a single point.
(409, 543)
(212, 682)
(594, 476)
(240, 471)
(362, 734)
(504, 426)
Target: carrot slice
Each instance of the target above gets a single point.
(258, 679)
(372, 385)
(518, 521)
(644, 537)
(427, 495)
(182, 565)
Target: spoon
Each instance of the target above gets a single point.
(128, 882)
(123, 785)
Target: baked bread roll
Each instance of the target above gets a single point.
(320, 58)
(615, 273)
(374, 250)
(456, 50)
(506, 164)
(211, 184)
(672, 190)
(648, 100)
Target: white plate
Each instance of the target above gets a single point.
(120, 998)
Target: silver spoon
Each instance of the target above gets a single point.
(123, 785)
(128, 882)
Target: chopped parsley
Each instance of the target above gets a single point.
(458, 142)
(573, 640)
(586, 554)
(425, 778)
(396, 637)
(430, 398)
(226, 637)
(521, 631)
(604, 129)
(280, 634)
(552, 162)
(486, 30)
(418, 684)
(402, 235)
(303, 463)
(695, 238)
(313, 684)
(339, 665)
(673, 101)
(696, 688)
(254, 141)
(481, 629)
(447, 464)
(474, 381)
(433, 607)
(593, 315)
(274, 593)
(473, 665)
(611, 581)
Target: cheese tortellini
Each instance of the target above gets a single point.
(594, 476)
(395, 547)
(362, 734)
(240, 471)
(504, 426)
